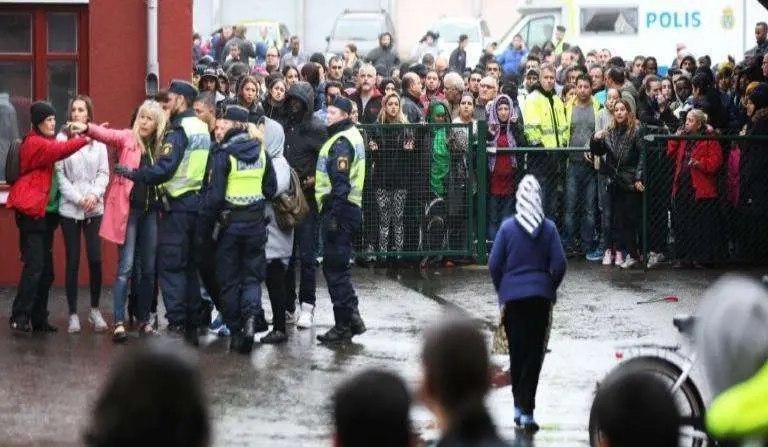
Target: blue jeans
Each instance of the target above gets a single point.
(580, 199)
(499, 208)
(305, 249)
(140, 233)
(606, 212)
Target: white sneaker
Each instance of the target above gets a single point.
(74, 324)
(629, 262)
(95, 318)
(653, 259)
(608, 257)
(619, 258)
(307, 316)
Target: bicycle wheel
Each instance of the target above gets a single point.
(688, 398)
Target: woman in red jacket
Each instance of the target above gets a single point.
(694, 194)
(34, 193)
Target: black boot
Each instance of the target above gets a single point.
(20, 327)
(337, 334)
(236, 341)
(274, 337)
(248, 332)
(260, 323)
(191, 337)
(341, 332)
(206, 309)
(44, 327)
(357, 325)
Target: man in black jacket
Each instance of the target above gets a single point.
(366, 95)
(304, 135)
(458, 59)
(411, 98)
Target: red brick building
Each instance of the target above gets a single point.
(54, 50)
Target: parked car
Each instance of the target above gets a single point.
(361, 27)
(277, 32)
(450, 28)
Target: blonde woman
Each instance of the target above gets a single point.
(392, 153)
(131, 211)
(83, 178)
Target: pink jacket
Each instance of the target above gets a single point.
(117, 204)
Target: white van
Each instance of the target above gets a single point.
(649, 27)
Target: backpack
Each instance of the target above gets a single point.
(13, 162)
(292, 206)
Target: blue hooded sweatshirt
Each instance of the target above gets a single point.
(527, 260)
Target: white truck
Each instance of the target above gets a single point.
(649, 27)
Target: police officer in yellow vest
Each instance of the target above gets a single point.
(233, 208)
(339, 192)
(179, 171)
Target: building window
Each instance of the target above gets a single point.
(43, 55)
(609, 20)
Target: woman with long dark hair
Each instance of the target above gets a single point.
(624, 166)
(248, 94)
(291, 76)
(83, 179)
(274, 103)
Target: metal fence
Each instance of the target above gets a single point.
(708, 202)
(428, 194)
(418, 198)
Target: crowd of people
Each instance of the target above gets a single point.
(255, 168)
(199, 194)
(554, 96)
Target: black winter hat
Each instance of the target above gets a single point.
(236, 113)
(39, 111)
(759, 96)
(318, 58)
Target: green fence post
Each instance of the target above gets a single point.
(482, 191)
(645, 205)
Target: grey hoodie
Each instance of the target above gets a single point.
(732, 331)
(279, 243)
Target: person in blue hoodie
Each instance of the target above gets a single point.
(527, 265)
(233, 209)
(514, 56)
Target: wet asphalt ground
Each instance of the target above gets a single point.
(279, 396)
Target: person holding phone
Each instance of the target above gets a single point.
(83, 178)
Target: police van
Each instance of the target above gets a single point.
(649, 27)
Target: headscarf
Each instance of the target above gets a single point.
(530, 212)
(440, 157)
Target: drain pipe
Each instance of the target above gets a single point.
(152, 81)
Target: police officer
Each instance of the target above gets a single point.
(339, 193)
(242, 179)
(179, 171)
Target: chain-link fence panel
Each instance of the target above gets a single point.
(569, 183)
(708, 204)
(418, 192)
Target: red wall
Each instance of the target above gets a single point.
(118, 47)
